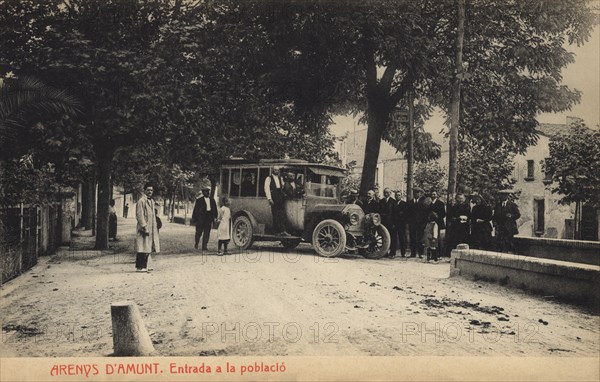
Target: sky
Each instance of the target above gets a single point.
(583, 75)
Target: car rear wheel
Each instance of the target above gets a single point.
(380, 243)
(329, 238)
(242, 232)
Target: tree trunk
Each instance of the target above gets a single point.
(104, 166)
(377, 122)
(89, 202)
(410, 152)
(455, 100)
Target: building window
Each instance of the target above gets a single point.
(539, 211)
(547, 173)
(530, 170)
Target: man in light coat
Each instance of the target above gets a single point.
(146, 238)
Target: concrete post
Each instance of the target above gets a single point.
(130, 337)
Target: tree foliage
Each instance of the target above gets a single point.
(574, 163)
(366, 57)
(483, 170)
(431, 176)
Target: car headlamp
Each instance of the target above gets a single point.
(376, 219)
(354, 218)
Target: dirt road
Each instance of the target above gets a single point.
(271, 302)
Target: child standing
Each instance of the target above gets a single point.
(224, 230)
(430, 238)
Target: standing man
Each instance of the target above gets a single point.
(371, 205)
(205, 213)
(353, 198)
(505, 219)
(458, 217)
(400, 216)
(416, 222)
(274, 191)
(146, 238)
(439, 208)
(387, 206)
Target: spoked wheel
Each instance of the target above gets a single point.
(242, 232)
(329, 238)
(380, 243)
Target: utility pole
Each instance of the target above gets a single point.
(410, 151)
(455, 100)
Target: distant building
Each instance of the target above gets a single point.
(541, 214)
(391, 165)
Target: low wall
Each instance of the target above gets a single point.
(578, 251)
(573, 282)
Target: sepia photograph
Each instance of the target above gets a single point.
(300, 190)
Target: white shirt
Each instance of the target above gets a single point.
(207, 201)
(268, 184)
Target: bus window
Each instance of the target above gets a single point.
(225, 181)
(235, 182)
(263, 174)
(249, 181)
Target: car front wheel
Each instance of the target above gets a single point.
(329, 238)
(379, 245)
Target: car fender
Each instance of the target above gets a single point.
(318, 216)
(249, 215)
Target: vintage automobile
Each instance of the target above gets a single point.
(317, 215)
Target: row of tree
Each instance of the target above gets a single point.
(168, 87)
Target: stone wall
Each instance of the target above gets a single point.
(568, 281)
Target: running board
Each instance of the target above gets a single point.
(274, 238)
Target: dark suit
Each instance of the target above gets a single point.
(505, 220)
(278, 206)
(457, 231)
(416, 219)
(400, 216)
(481, 232)
(204, 220)
(440, 210)
(387, 208)
(371, 206)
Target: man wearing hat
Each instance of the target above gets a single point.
(274, 191)
(387, 206)
(353, 198)
(506, 214)
(417, 219)
(205, 213)
(400, 216)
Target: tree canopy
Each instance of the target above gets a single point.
(574, 163)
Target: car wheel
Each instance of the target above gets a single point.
(242, 232)
(329, 238)
(380, 244)
(290, 244)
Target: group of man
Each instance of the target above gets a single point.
(463, 220)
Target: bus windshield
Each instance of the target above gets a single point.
(319, 184)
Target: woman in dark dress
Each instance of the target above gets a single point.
(481, 224)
